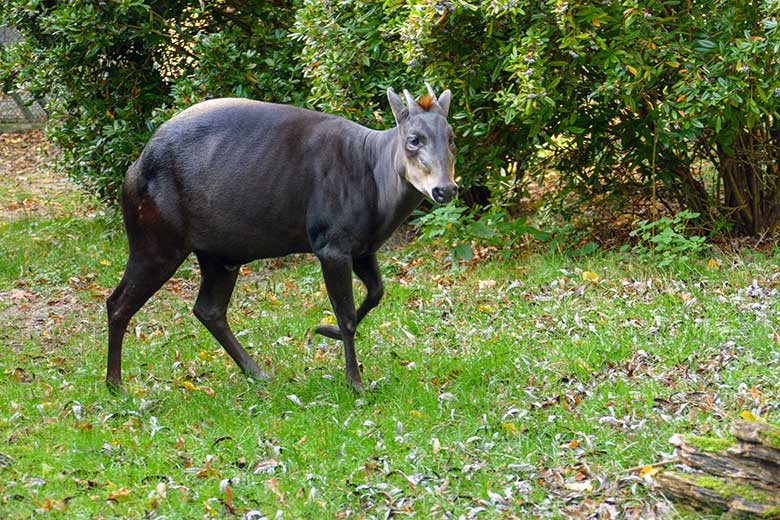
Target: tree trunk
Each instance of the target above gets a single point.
(750, 173)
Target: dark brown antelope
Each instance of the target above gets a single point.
(234, 180)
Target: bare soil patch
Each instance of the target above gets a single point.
(28, 184)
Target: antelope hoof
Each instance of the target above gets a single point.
(254, 372)
(261, 376)
(115, 388)
(329, 331)
(356, 384)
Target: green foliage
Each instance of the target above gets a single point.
(347, 55)
(97, 82)
(454, 225)
(112, 71)
(461, 229)
(353, 50)
(679, 97)
(648, 94)
(666, 238)
(676, 98)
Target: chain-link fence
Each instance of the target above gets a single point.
(18, 111)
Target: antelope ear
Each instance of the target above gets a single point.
(444, 102)
(400, 112)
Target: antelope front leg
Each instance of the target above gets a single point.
(337, 272)
(367, 269)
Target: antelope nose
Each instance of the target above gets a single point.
(442, 194)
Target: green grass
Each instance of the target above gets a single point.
(510, 387)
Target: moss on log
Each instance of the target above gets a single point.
(758, 432)
(702, 491)
(739, 475)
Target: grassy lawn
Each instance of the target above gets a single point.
(525, 387)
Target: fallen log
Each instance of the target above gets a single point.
(739, 474)
(705, 492)
(759, 433)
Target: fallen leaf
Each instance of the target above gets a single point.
(487, 284)
(265, 466)
(21, 294)
(194, 388)
(747, 415)
(580, 487)
(206, 472)
(649, 471)
(273, 485)
(58, 505)
(590, 276)
(229, 497)
(161, 489)
(118, 494)
(22, 376)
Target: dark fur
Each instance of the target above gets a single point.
(235, 180)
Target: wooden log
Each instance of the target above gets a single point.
(761, 433)
(739, 475)
(731, 459)
(733, 496)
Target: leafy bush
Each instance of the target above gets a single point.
(448, 223)
(461, 228)
(655, 94)
(112, 71)
(667, 240)
(675, 99)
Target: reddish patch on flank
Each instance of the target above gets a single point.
(426, 101)
(147, 211)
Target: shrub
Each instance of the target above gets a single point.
(654, 94)
(666, 240)
(677, 99)
(353, 50)
(112, 71)
(459, 229)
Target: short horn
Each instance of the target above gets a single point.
(410, 102)
(431, 92)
